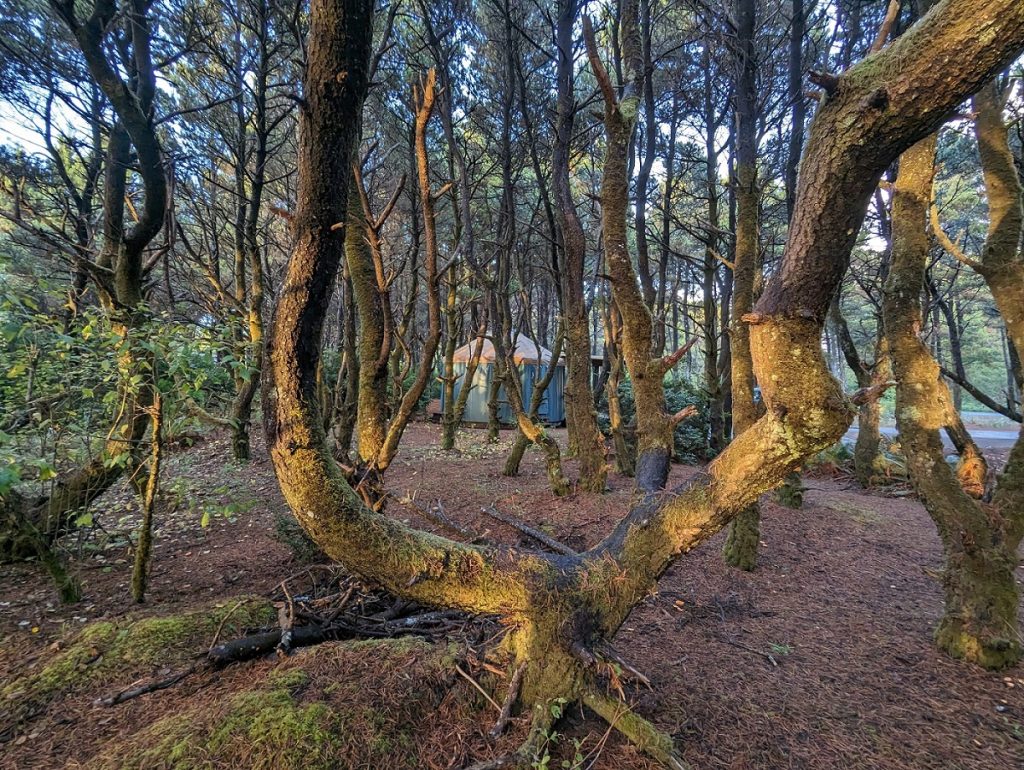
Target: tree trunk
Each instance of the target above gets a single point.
(741, 544)
(980, 618)
(868, 463)
(372, 411)
(623, 436)
(585, 439)
(563, 609)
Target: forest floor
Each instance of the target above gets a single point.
(821, 658)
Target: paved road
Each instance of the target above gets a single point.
(986, 438)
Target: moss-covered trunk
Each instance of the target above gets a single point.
(374, 345)
(980, 619)
(623, 436)
(562, 610)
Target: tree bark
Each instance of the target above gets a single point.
(562, 608)
(741, 544)
(980, 591)
(585, 439)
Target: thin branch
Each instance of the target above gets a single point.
(948, 244)
(529, 531)
(891, 15)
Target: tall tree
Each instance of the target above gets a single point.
(585, 437)
(741, 544)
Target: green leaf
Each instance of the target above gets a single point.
(9, 476)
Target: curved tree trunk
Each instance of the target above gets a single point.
(979, 623)
(563, 610)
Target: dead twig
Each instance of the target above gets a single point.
(480, 689)
(765, 655)
(223, 620)
(510, 699)
(151, 686)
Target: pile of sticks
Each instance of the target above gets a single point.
(322, 603)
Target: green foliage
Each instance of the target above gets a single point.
(67, 379)
(692, 435)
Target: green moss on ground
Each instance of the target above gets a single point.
(115, 653)
(333, 707)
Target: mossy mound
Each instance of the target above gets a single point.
(337, 706)
(115, 653)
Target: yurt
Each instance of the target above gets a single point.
(532, 362)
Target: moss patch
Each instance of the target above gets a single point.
(859, 513)
(116, 652)
(336, 706)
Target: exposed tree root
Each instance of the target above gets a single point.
(648, 738)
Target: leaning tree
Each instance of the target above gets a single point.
(562, 610)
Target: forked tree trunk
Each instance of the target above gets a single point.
(563, 610)
(523, 441)
(868, 462)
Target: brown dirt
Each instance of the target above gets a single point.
(821, 658)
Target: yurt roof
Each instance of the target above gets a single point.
(526, 352)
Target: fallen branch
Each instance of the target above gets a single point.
(609, 653)
(152, 686)
(437, 515)
(742, 646)
(529, 531)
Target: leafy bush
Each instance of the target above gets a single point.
(692, 437)
(63, 381)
